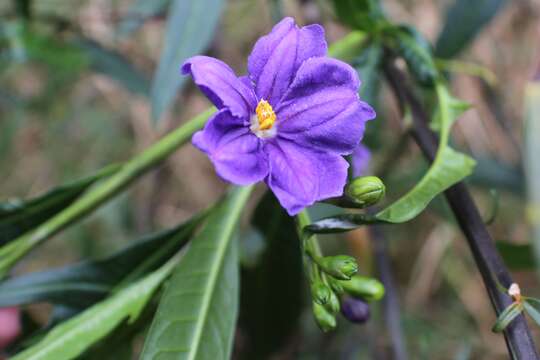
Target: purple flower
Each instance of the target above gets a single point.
(289, 122)
(360, 160)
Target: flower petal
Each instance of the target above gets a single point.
(360, 160)
(236, 153)
(321, 108)
(300, 176)
(219, 83)
(276, 57)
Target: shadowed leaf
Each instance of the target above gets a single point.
(271, 296)
(190, 28)
(20, 216)
(71, 338)
(82, 284)
(464, 20)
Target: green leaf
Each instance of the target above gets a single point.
(82, 284)
(517, 256)
(71, 338)
(448, 168)
(19, 216)
(190, 28)
(139, 12)
(464, 20)
(197, 312)
(364, 15)
(531, 310)
(268, 317)
(416, 51)
(114, 65)
(368, 69)
(506, 317)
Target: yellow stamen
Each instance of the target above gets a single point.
(265, 115)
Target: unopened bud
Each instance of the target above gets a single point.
(366, 190)
(355, 310)
(333, 303)
(363, 287)
(515, 292)
(340, 267)
(325, 320)
(320, 292)
(336, 286)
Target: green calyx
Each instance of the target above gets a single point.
(362, 287)
(325, 320)
(341, 267)
(333, 305)
(366, 190)
(320, 292)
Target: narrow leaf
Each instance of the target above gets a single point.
(71, 338)
(531, 310)
(190, 28)
(115, 66)
(82, 284)
(278, 272)
(359, 14)
(19, 216)
(416, 51)
(506, 317)
(139, 12)
(464, 20)
(197, 313)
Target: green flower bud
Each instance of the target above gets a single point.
(340, 267)
(320, 292)
(333, 304)
(363, 287)
(325, 320)
(336, 286)
(366, 190)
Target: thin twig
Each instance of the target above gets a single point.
(390, 301)
(517, 335)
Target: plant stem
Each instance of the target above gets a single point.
(517, 335)
(390, 300)
(102, 192)
(310, 247)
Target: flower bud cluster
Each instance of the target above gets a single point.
(337, 288)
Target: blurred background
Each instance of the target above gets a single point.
(76, 94)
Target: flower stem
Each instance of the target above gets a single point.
(310, 247)
(102, 192)
(490, 265)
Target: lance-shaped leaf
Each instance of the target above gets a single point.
(71, 338)
(190, 28)
(532, 311)
(464, 20)
(416, 51)
(278, 272)
(19, 216)
(506, 317)
(114, 65)
(139, 12)
(82, 284)
(448, 168)
(197, 313)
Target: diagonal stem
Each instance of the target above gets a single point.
(104, 191)
(490, 264)
(390, 301)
